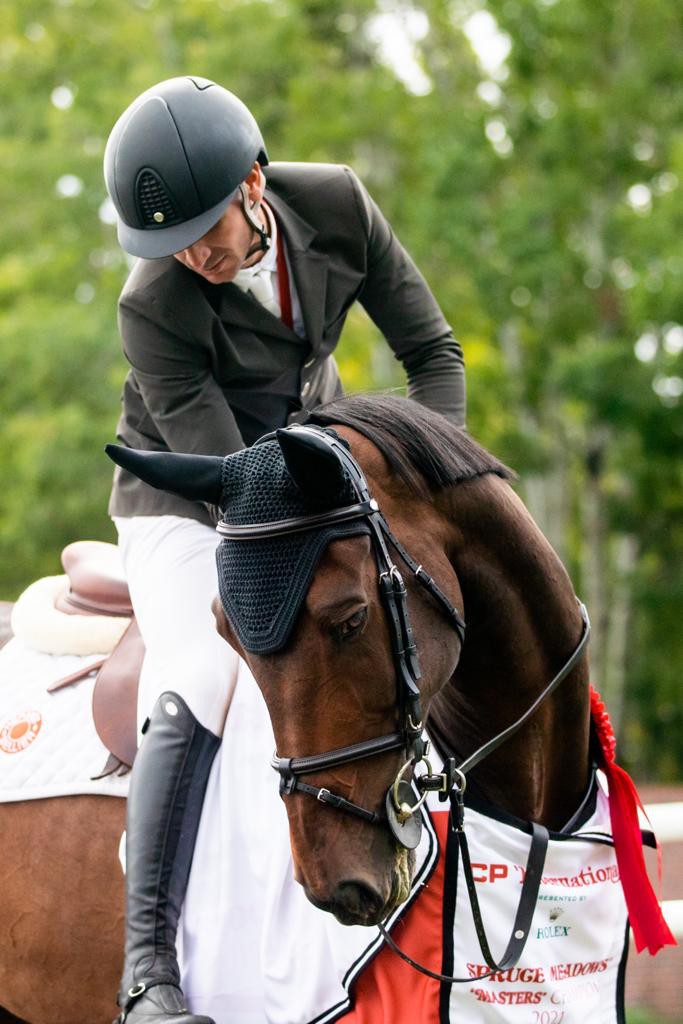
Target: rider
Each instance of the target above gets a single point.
(229, 320)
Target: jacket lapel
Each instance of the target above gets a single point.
(309, 269)
(240, 308)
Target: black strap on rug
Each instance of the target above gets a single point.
(525, 908)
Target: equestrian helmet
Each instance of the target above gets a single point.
(175, 160)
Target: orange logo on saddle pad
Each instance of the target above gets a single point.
(18, 733)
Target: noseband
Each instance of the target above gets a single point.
(401, 801)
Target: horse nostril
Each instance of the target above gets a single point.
(358, 902)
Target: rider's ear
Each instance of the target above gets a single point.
(196, 477)
(255, 182)
(312, 464)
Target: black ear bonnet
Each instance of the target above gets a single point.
(262, 583)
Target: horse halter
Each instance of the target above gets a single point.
(401, 803)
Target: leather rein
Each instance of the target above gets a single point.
(403, 800)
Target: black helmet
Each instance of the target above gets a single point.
(175, 160)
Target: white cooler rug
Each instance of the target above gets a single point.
(252, 949)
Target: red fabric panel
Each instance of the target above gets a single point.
(389, 991)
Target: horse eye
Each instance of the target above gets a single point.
(353, 625)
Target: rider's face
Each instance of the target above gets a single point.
(220, 253)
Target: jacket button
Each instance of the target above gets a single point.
(305, 389)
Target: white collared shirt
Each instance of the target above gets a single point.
(265, 273)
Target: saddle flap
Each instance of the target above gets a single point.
(114, 699)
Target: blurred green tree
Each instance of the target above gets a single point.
(528, 153)
(570, 242)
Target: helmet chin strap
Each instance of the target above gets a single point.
(251, 215)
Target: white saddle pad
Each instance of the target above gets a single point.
(48, 743)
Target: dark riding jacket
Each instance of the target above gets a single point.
(212, 370)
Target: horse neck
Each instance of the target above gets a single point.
(523, 623)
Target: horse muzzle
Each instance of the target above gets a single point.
(366, 900)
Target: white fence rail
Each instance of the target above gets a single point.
(667, 823)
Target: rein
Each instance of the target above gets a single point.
(402, 802)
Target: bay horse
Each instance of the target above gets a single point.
(61, 887)
(352, 662)
(453, 509)
(333, 683)
(329, 679)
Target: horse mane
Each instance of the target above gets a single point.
(423, 447)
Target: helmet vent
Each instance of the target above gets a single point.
(154, 203)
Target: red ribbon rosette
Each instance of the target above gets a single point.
(644, 911)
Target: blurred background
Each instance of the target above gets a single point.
(529, 154)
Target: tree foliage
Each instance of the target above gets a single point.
(539, 193)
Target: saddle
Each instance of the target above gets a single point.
(97, 587)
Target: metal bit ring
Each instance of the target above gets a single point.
(402, 808)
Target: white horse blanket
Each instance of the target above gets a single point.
(254, 951)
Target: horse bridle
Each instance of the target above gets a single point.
(402, 802)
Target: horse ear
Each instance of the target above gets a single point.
(196, 477)
(312, 464)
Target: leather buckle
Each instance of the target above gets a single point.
(433, 783)
(131, 995)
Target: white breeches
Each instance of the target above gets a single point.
(170, 566)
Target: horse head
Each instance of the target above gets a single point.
(310, 616)
(349, 658)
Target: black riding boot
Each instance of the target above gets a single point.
(167, 789)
